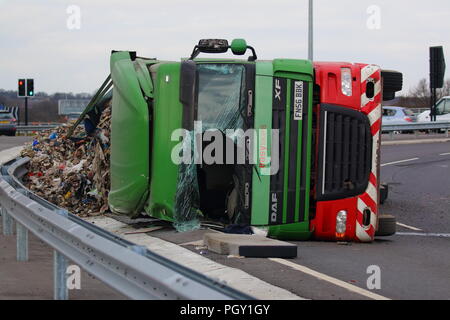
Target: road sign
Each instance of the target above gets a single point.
(72, 106)
(437, 72)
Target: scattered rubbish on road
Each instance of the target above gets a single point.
(72, 173)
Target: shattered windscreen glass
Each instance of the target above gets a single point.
(220, 105)
(219, 95)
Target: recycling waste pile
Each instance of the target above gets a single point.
(72, 173)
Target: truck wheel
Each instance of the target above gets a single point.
(392, 82)
(384, 192)
(386, 225)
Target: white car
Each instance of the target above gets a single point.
(442, 111)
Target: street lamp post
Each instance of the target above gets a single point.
(310, 30)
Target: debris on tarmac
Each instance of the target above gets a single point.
(72, 173)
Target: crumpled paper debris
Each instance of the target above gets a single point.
(72, 173)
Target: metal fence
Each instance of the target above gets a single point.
(443, 126)
(133, 270)
(37, 127)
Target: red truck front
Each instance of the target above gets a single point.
(347, 138)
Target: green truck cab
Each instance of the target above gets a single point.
(223, 140)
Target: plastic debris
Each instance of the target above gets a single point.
(72, 173)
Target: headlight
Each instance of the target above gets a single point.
(346, 81)
(341, 221)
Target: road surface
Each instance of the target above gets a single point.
(414, 264)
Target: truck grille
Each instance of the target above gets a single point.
(289, 186)
(345, 153)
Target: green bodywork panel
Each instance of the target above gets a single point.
(129, 137)
(167, 110)
(263, 120)
(293, 69)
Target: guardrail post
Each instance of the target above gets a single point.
(22, 242)
(60, 290)
(7, 223)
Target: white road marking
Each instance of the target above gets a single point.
(444, 154)
(400, 161)
(408, 227)
(439, 235)
(332, 280)
(233, 277)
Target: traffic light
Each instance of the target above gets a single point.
(30, 87)
(21, 86)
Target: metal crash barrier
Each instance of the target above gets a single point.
(417, 126)
(35, 128)
(132, 270)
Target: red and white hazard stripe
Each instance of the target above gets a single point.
(372, 108)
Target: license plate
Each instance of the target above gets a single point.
(298, 100)
(4, 121)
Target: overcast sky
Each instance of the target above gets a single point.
(35, 41)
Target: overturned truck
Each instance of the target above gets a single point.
(288, 145)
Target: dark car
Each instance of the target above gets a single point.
(8, 124)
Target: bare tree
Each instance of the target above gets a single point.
(445, 91)
(419, 96)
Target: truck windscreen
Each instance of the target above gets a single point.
(215, 191)
(220, 87)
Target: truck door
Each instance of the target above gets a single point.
(283, 114)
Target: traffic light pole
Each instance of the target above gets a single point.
(26, 111)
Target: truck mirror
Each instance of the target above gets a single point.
(238, 46)
(188, 79)
(210, 46)
(392, 82)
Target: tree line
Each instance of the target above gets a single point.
(419, 96)
(42, 107)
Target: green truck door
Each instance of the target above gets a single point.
(281, 185)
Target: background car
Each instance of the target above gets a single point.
(398, 115)
(442, 111)
(8, 124)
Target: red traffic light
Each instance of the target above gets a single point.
(21, 88)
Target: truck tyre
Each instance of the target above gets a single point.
(384, 192)
(386, 225)
(392, 82)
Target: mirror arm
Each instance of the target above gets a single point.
(253, 57)
(195, 53)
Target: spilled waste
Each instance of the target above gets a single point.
(72, 173)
